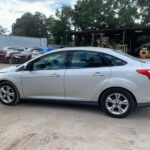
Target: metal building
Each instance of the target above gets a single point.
(8, 40)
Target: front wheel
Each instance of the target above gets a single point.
(117, 103)
(8, 94)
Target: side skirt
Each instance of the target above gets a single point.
(64, 101)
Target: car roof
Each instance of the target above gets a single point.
(94, 49)
(99, 49)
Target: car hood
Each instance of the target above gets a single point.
(9, 69)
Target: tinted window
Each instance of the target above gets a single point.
(50, 62)
(86, 60)
(113, 61)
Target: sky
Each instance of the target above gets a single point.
(10, 10)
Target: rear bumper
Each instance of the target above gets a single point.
(142, 96)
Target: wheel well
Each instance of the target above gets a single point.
(99, 101)
(2, 81)
(9, 82)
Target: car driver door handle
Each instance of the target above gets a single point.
(54, 75)
(98, 74)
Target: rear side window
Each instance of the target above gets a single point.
(110, 60)
(83, 59)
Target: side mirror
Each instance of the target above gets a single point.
(28, 66)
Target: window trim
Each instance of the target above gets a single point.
(99, 53)
(71, 56)
(116, 58)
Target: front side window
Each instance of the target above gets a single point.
(50, 62)
(81, 59)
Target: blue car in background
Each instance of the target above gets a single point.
(47, 49)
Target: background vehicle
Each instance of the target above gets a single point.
(14, 55)
(115, 81)
(47, 49)
(34, 52)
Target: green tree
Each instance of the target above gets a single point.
(126, 12)
(58, 26)
(97, 14)
(32, 25)
(94, 14)
(144, 9)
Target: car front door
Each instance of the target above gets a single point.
(46, 77)
(86, 76)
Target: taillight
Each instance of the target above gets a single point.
(145, 72)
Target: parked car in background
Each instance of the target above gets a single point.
(14, 55)
(34, 51)
(47, 49)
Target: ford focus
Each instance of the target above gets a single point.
(115, 81)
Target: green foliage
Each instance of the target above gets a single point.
(85, 15)
(30, 25)
(60, 25)
(144, 9)
(97, 14)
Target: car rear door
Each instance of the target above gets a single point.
(46, 79)
(86, 76)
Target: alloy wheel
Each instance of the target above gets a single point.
(117, 103)
(7, 94)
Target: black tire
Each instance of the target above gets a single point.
(14, 90)
(129, 107)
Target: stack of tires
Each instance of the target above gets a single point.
(144, 53)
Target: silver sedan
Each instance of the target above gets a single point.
(115, 81)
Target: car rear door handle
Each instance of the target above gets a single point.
(55, 75)
(98, 74)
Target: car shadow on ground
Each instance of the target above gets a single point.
(92, 107)
(142, 113)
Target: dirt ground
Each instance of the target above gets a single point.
(34, 125)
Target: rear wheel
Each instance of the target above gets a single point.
(117, 103)
(8, 94)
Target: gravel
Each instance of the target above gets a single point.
(34, 125)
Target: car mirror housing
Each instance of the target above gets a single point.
(28, 66)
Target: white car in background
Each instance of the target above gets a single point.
(14, 54)
(34, 51)
(116, 82)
